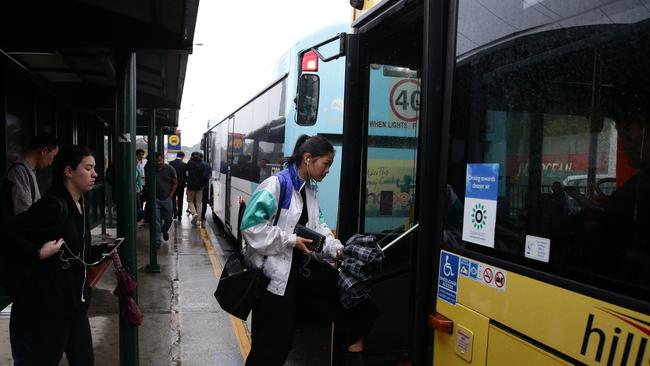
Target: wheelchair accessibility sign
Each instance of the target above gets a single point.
(448, 277)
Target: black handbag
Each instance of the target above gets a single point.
(317, 239)
(240, 286)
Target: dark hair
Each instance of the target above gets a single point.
(44, 140)
(180, 154)
(317, 146)
(139, 151)
(68, 156)
(158, 155)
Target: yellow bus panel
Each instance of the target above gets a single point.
(367, 6)
(507, 349)
(446, 347)
(586, 329)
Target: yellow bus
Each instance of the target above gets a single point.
(527, 239)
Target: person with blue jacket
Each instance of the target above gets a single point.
(301, 282)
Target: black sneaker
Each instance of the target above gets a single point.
(158, 244)
(166, 236)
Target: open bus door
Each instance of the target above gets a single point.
(381, 143)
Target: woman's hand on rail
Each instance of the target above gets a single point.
(50, 248)
(301, 244)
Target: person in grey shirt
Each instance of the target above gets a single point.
(21, 174)
(166, 183)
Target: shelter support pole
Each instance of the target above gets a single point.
(161, 141)
(125, 115)
(109, 188)
(153, 266)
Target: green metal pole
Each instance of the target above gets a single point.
(153, 266)
(125, 184)
(109, 189)
(161, 141)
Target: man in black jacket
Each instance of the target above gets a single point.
(181, 173)
(197, 179)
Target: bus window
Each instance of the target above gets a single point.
(558, 97)
(258, 140)
(393, 115)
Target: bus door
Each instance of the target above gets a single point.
(381, 133)
(545, 242)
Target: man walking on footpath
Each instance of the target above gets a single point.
(181, 174)
(196, 181)
(20, 184)
(166, 183)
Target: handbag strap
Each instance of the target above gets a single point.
(282, 181)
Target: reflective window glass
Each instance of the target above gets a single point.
(556, 96)
(393, 115)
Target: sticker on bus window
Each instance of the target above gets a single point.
(480, 212)
(538, 248)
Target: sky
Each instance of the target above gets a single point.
(235, 43)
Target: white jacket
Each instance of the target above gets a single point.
(277, 242)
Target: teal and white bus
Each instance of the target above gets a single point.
(304, 95)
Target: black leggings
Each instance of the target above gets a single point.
(42, 340)
(308, 298)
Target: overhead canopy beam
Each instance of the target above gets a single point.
(58, 24)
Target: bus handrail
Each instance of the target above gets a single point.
(404, 234)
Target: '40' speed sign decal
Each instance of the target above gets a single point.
(405, 100)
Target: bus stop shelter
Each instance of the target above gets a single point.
(96, 73)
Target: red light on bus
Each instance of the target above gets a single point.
(310, 61)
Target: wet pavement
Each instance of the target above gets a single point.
(183, 324)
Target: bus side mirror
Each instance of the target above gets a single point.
(307, 100)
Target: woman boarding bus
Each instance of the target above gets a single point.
(298, 284)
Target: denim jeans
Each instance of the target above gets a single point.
(163, 216)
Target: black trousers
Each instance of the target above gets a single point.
(40, 340)
(177, 209)
(204, 204)
(311, 296)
